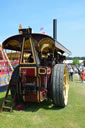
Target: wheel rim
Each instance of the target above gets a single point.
(65, 85)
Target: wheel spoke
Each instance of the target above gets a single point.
(65, 86)
(64, 75)
(64, 83)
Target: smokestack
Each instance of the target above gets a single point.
(55, 29)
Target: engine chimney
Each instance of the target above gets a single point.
(55, 29)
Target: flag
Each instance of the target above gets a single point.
(42, 28)
(43, 32)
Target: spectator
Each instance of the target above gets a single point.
(71, 74)
(83, 75)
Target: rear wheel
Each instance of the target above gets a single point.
(14, 81)
(15, 85)
(60, 85)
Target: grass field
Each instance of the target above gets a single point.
(45, 115)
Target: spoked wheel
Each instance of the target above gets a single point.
(65, 85)
(60, 85)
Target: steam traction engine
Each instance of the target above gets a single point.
(41, 73)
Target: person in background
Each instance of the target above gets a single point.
(71, 72)
(83, 75)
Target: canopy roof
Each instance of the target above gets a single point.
(41, 41)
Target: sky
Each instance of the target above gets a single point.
(70, 15)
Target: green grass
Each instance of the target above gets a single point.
(45, 115)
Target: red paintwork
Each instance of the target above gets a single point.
(28, 75)
(42, 80)
(27, 79)
(28, 71)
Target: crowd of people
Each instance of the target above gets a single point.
(80, 70)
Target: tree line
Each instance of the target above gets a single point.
(72, 58)
(76, 60)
